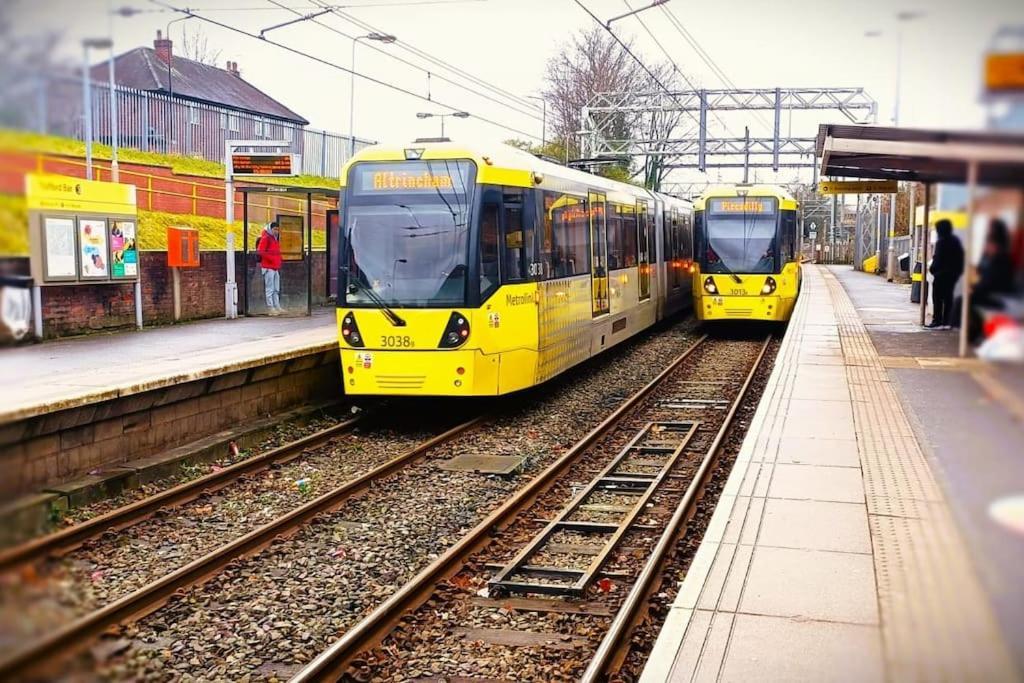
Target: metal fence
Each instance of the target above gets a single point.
(157, 122)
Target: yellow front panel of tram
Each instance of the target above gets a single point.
(498, 356)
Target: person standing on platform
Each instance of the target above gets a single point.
(268, 251)
(947, 267)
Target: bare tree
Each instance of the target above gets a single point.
(195, 45)
(29, 62)
(593, 62)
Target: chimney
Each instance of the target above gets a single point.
(163, 48)
(233, 69)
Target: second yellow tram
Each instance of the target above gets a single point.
(747, 253)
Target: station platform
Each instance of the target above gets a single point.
(868, 530)
(58, 375)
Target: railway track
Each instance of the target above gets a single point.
(549, 585)
(43, 652)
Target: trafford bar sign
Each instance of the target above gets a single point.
(264, 164)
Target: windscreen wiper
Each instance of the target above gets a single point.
(721, 262)
(393, 318)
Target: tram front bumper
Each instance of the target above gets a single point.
(769, 308)
(465, 372)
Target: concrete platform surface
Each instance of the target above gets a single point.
(833, 553)
(68, 373)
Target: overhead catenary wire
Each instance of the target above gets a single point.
(422, 54)
(339, 67)
(643, 66)
(673, 62)
(395, 57)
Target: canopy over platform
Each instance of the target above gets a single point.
(928, 156)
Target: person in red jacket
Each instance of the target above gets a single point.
(269, 253)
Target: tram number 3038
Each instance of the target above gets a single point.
(396, 341)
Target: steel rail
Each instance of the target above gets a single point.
(613, 647)
(331, 663)
(67, 539)
(49, 650)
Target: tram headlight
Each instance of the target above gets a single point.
(350, 331)
(769, 285)
(709, 285)
(456, 332)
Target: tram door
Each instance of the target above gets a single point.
(598, 254)
(644, 243)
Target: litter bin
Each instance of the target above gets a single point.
(915, 284)
(15, 308)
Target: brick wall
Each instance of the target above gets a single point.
(66, 445)
(79, 309)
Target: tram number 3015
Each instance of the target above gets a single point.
(396, 341)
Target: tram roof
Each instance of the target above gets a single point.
(915, 154)
(495, 158)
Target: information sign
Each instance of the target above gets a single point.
(124, 250)
(92, 248)
(263, 164)
(59, 241)
(292, 229)
(1004, 72)
(857, 186)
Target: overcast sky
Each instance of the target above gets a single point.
(508, 42)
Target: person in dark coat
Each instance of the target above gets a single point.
(947, 266)
(995, 277)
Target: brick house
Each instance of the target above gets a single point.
(187, 107)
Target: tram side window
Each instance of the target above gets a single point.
(615, 246)
(489, 269)
(788, 235)
(686, 237)
(514, 235)
(629, 243)
(563, 243)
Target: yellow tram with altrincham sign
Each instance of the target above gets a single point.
(747, 244)
(483, 271)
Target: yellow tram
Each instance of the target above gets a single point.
(747, 242)
(483, 271)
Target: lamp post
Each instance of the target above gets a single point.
(385, 38)
(430, 115)
(544, 119)
(87, 44)
(902, 17)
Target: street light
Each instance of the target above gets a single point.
(902, 17)
(385, 38)
(544, 120)
(430, 115)
(87, 44)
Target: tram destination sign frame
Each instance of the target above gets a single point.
(276, 164)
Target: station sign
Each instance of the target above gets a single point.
(857, 186)
(81, 231)
(264, 164)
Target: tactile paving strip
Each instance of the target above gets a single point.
(937, 623)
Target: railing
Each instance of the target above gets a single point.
(157, 122)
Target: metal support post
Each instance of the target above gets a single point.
(746, 154)
(230, 286)
(138, 302)
(965, 309)
(87, 112)
(890, 261)
(878, 230)
(702, 134)
(37, 311)
(778, 118)
(115, 174)
(925, 238)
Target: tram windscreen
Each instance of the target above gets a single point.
(740, 235)
(407, 233)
